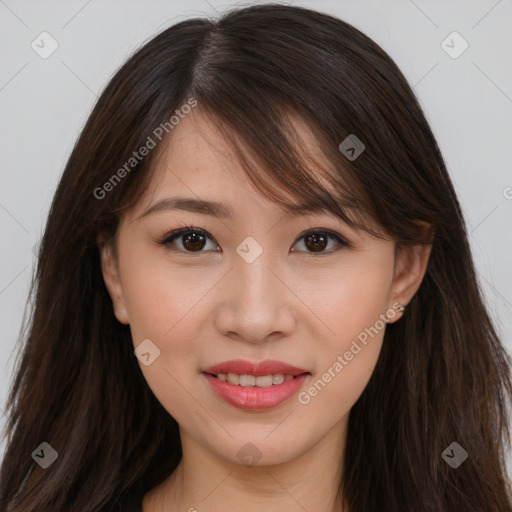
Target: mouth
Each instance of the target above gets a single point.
(255, 386)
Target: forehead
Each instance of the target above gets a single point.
(197, 160)
(197, 138)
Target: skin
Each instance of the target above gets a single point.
(290, 304)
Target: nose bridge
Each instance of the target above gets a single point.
(256, 280)
(258, 303)
(251, 266)
(258, 291)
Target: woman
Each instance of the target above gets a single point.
(219, 302)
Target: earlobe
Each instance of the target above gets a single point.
(410, 267)
(112, 281)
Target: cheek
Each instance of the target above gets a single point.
(344, 365)
(351, 305)
(161, 304)
(353, 296)
(158, 293)
(162, 300)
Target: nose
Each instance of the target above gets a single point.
(256, 304)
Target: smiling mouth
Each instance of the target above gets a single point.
(260, 381)
(256, 392)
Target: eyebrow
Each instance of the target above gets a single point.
(212, 208)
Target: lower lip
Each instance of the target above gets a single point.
(254, 398)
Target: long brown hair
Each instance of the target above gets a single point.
(443, 375)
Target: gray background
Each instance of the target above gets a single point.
(45, 103)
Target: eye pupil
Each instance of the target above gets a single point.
(196, 240)
(319, 241)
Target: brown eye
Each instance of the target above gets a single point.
(192, 240)
(316, 241)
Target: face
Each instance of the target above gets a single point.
(293, 303)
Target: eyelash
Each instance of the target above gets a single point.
(169, 237)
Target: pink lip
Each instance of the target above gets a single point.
(254, 398)
(257, 369)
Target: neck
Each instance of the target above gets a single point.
(203, 481)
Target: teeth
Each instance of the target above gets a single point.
(247, 380)
(277, 378)
(261, 381)
(233, 378)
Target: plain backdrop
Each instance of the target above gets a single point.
(46, 101)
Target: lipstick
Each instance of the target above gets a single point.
(255, 386)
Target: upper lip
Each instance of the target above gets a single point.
(242, 367)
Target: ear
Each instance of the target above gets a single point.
(410, 267)
(112, 281)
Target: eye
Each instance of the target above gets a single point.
(192, 239)
(316, 240)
